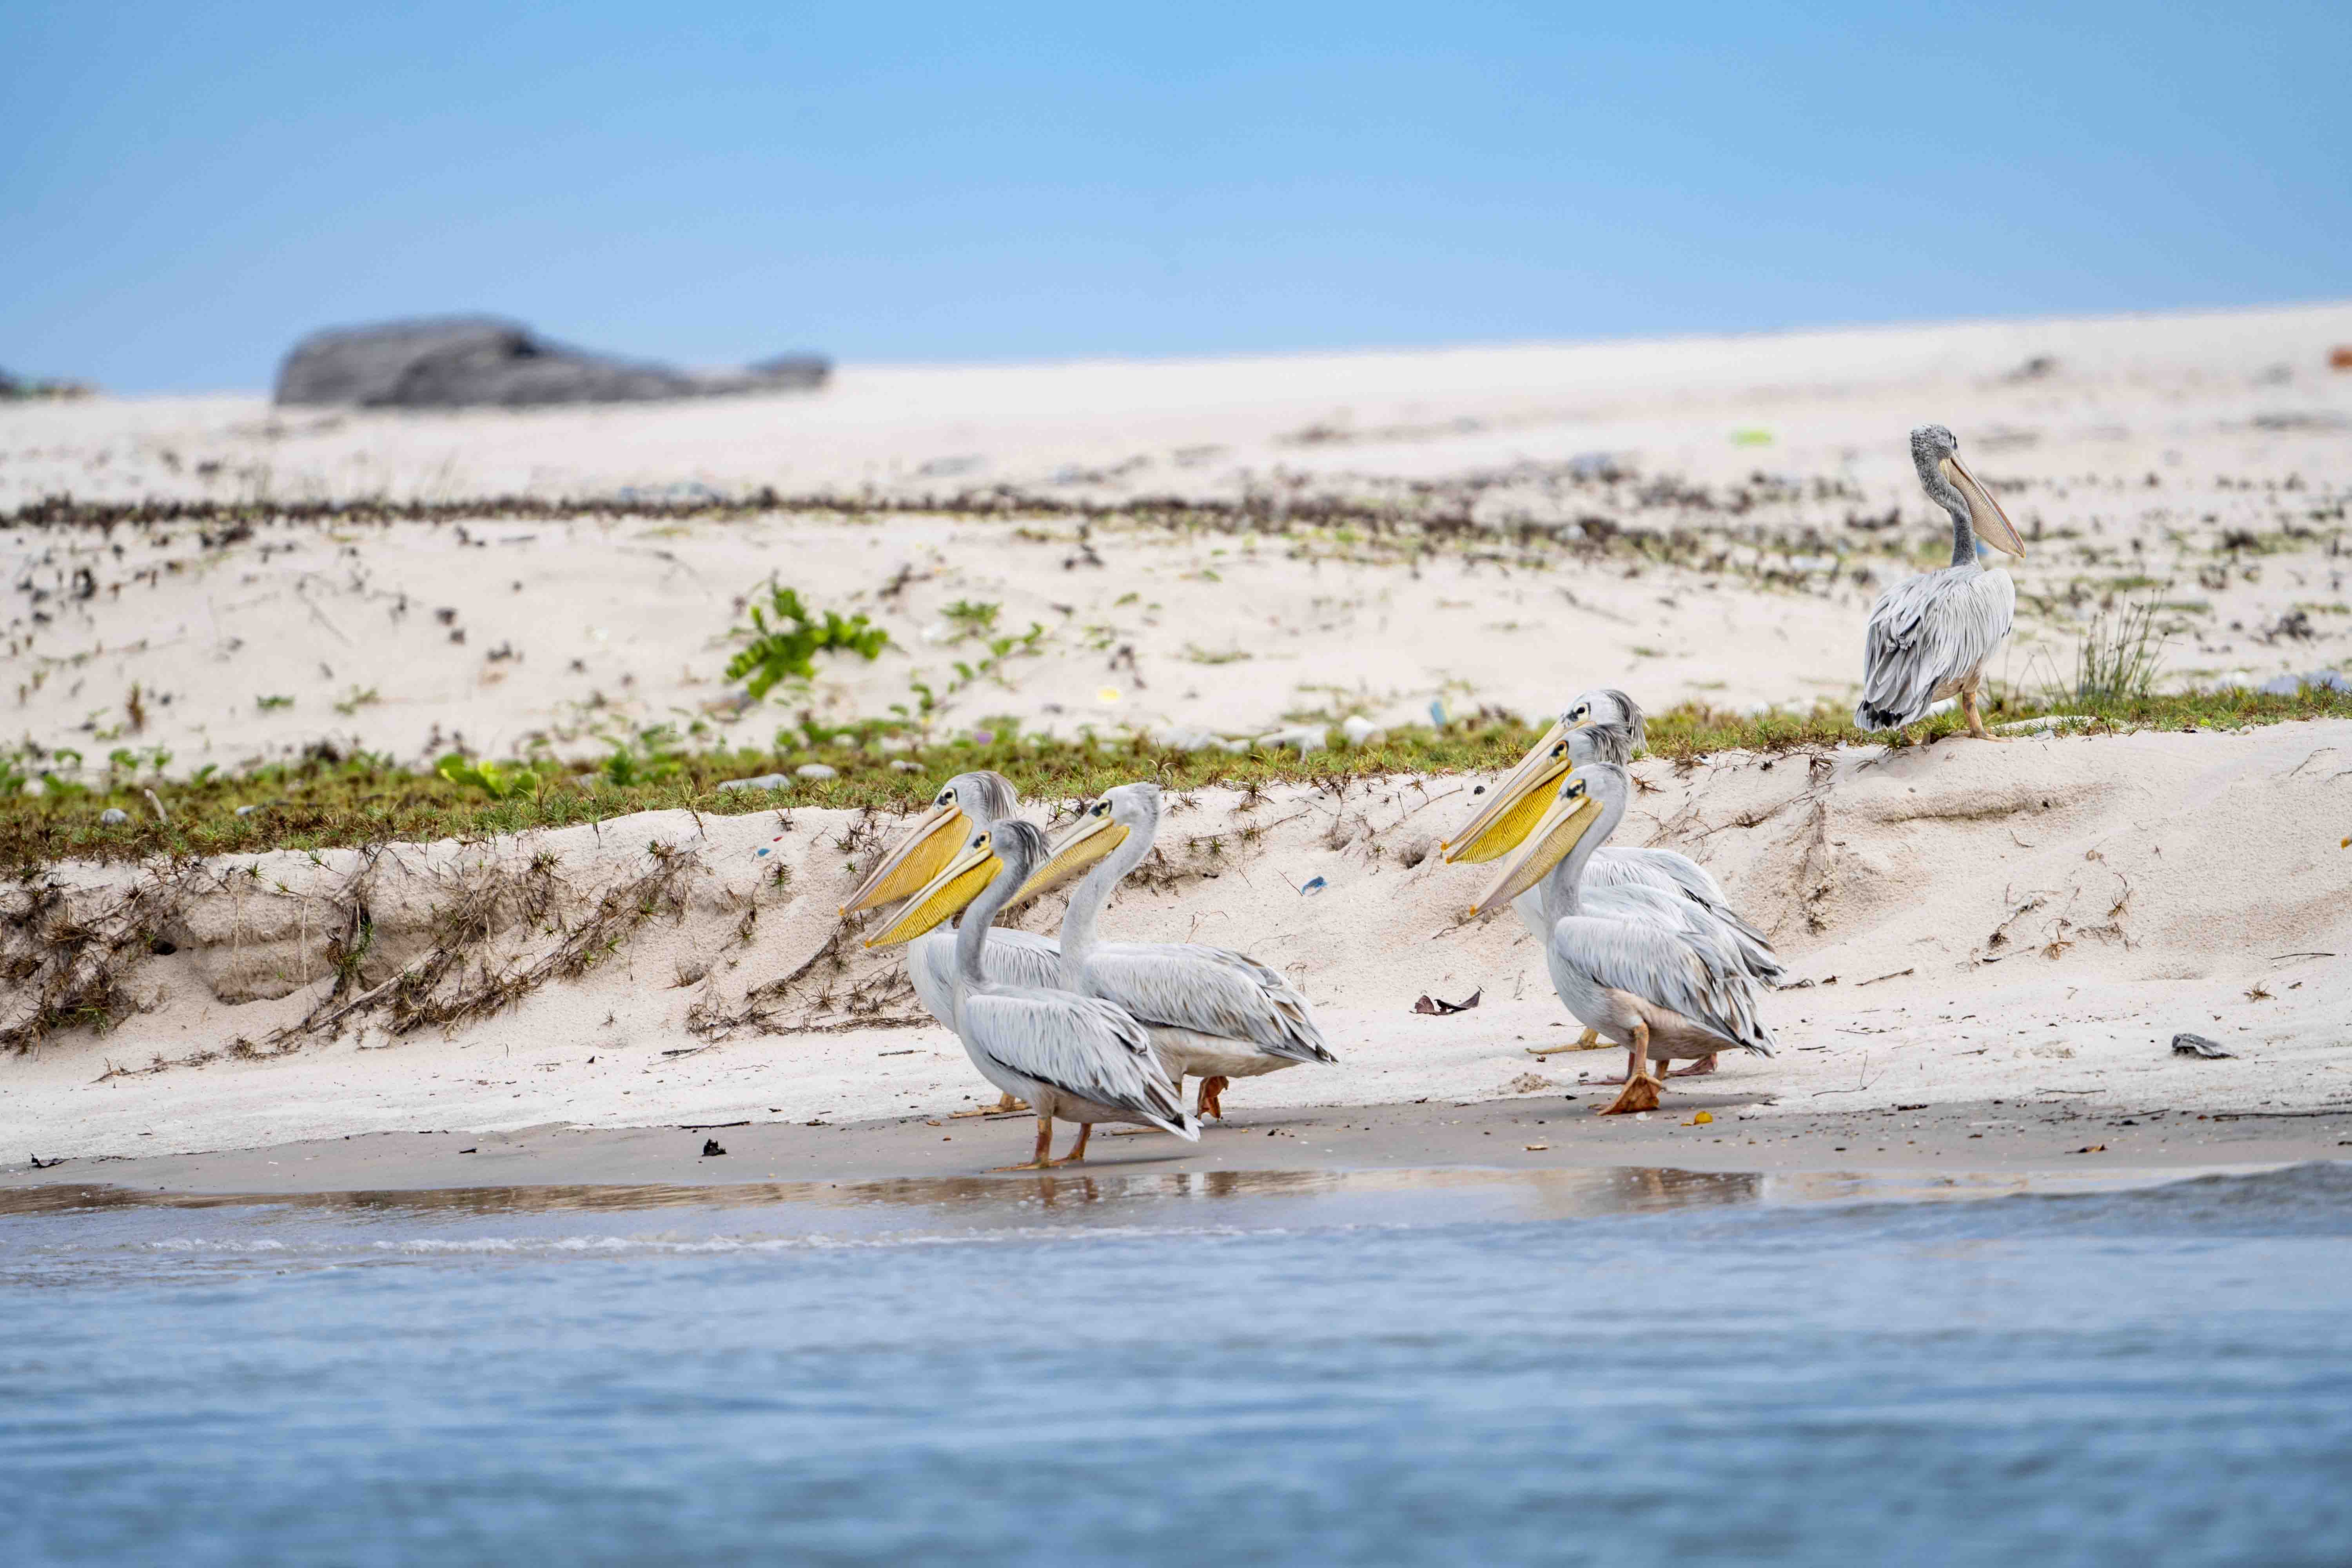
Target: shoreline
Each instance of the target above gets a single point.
(1517, 1135)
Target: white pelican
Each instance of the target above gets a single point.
(965, 802)
(1211, 1012)
(1632, 963)
(1931, 636)
(1071, 1057)
(1602, 726)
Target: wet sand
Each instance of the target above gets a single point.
(1511, 1135)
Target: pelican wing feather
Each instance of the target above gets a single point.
(1019, 958)
(1683, 878)
(1926, 635)
(1647, 948)
(1209, 990)
(1084, 1047)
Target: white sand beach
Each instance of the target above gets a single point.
(1768, 476)
(2027, 922)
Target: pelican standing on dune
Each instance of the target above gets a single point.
(1073, 1057)
(968, 800)
(1630, 962)
(1931, 636)
(1211, 1012)
(1603, 726)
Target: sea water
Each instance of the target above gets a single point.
(1619, 1367)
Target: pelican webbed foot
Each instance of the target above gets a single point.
(1639, 1094)
(1976, 719)
(1077, 1154)
(1590, 1041)
(1698, 1069)
(1641, 1090)
(1211, 1102)
(1005, 1103)
(1039, 1157)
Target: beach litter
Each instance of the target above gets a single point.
(1307, 737)
(710, 1147)
(1440, 1006)
(1703, 1118)
(2186, 1044)
(1309, 888)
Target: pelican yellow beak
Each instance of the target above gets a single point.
(1094, 838)
(944, 896)
(913, 860)
(1516, 803)
(1569, 820)
(1991, 524)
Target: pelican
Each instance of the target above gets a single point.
(1602, 726)
(1931, 635)
(967, 801)
(1210, 1012)
(1076, 1057)
(1634, 965)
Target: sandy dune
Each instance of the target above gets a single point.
(1704, 519)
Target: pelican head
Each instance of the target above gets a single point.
(1936, 453)
(1602, 725)
(1129, 811)
(968, 800)
(1007, 851)
(1589, 800)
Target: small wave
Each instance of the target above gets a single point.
(210, 1243)
(821, 1242)
(2313, 1199)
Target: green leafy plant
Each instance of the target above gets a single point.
(355, 699)
(972, 617)
(497, 783)
(651, 754)
(267, 703)
(785, 636)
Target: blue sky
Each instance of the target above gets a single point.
(188, 188)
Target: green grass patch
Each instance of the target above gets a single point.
(321, 804)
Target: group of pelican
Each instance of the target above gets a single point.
(1641, 945)
(1083, 1030)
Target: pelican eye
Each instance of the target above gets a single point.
(1580, 710)
(1102, 808)
(1560, 750)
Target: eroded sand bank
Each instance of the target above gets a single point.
(2029, 922)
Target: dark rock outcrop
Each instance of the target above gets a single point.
(465, 362)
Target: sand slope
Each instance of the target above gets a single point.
(2026, 921)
